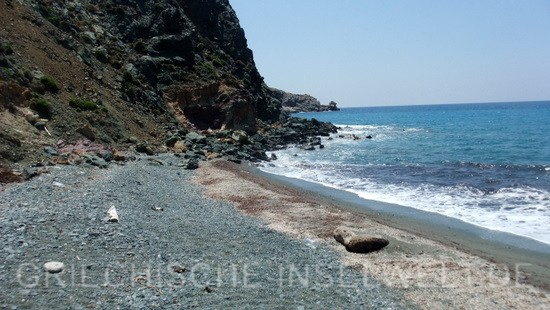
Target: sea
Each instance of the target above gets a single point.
(487, 164)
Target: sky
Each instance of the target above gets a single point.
(376, 53)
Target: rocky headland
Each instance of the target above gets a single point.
(166, 76)
(293, 103)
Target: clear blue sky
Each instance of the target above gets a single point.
(370, 53)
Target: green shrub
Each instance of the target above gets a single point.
(84, 105)
(218, 62)
(49, 83)
(49, 15)
(6, 72)
(54, 20)
(42, 106)
(6, 49)
(206, 69)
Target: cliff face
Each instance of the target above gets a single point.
(118, 70)
(194, 55)
(293, 103)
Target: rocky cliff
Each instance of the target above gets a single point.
(293, 103)
(125, 72)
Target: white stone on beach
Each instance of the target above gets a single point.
(113, 215)
(54, 267)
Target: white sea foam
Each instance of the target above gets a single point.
(523, 211)
(377, 132)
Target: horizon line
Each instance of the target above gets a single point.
(446, 103)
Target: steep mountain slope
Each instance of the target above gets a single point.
(141, 75)
(123, 71)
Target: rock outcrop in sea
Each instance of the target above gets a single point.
(293, 103)
(135, 75)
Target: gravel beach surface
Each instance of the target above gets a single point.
(171, 249)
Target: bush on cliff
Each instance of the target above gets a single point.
(50, 84)
(83, 105)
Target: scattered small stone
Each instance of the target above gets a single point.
(106, 155)
(87, 132)
(144, 148)
(32, 118)
(170, 142)
(132, 140)
(189, 164)
(156, 161)
(40, 125)
(8, 175)
(178, 269)
(31, 172)
(95, 160)
(234, 160)
(50, 151)
(54, 267)
(208, 289)
(195, 138)
(213, 156)
(119, 156)
(240, 136)
(58, 184)
(180, 147)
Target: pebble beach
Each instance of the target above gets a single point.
(172, 248)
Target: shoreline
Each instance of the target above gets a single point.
(495, 246)
(454, 264)
(394, 213)
(184, 235)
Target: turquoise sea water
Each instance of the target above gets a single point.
(486, 164)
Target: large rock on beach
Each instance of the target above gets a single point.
(343, 235)
(358, 244)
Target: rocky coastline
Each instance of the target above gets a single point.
(96, 80)
(191, 146)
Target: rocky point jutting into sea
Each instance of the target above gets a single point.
(150, 76)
